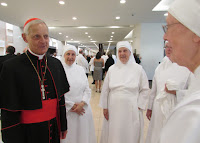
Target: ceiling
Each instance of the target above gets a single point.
(97, 15)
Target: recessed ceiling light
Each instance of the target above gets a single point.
(117, 17)
(4, 4)
(113, 32)
(86, 32)
(74, 18)
(82, 27)
(51, 27)
(60, 33)
(89, 36)
(111, 36)
(72, 39)
(122, 1)
(114, 26)
(61, 2)
(66, 36)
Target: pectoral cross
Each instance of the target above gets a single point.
(43, 91)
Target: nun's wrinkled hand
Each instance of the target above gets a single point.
(79, 109)
(170, 91)
(74, 106)
(106, 114)
(148, 114)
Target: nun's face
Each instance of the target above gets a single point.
(124, 54)
(70, 57)
(181, 39)
(168, 50)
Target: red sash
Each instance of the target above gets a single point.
(48, 112)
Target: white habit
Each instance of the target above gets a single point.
(81, 61)
(164, 72)
(92, 64)
(125, 89)
(80, 127)
(183, 125)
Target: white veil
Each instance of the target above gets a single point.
(65, 49)
(127, 45)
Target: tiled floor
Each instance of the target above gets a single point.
(98, 114)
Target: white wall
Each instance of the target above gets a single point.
(18, 42)
(136, 38)
(151, 47)
(60, 47)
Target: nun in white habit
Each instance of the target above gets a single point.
(162, 103)
(183, 33)
(77, 101)
(124, 96)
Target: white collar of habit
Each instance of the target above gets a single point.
(39, 56)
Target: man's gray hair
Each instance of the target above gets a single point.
(27, 26)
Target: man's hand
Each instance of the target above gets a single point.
(63, 134)
(149, 113)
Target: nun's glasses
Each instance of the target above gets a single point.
(165, 27)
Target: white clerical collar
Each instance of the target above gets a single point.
(39, 56)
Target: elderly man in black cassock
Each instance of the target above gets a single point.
(32, 89)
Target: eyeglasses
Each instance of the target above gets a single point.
(165, 27)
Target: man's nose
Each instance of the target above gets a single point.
(42, 39)
(165, 36)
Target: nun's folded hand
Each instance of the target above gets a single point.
(79, 109)
(74, 106)
(170, 91)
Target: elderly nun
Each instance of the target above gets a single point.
(124, 96)
(176, 78)
(77, 101)
(183, 33)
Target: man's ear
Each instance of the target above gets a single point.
(24, 37)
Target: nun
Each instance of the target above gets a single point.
(161, 103)
(124, 96)
(183, 33)
(77, 101)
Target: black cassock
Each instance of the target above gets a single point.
(5, 58)
(20, 90)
